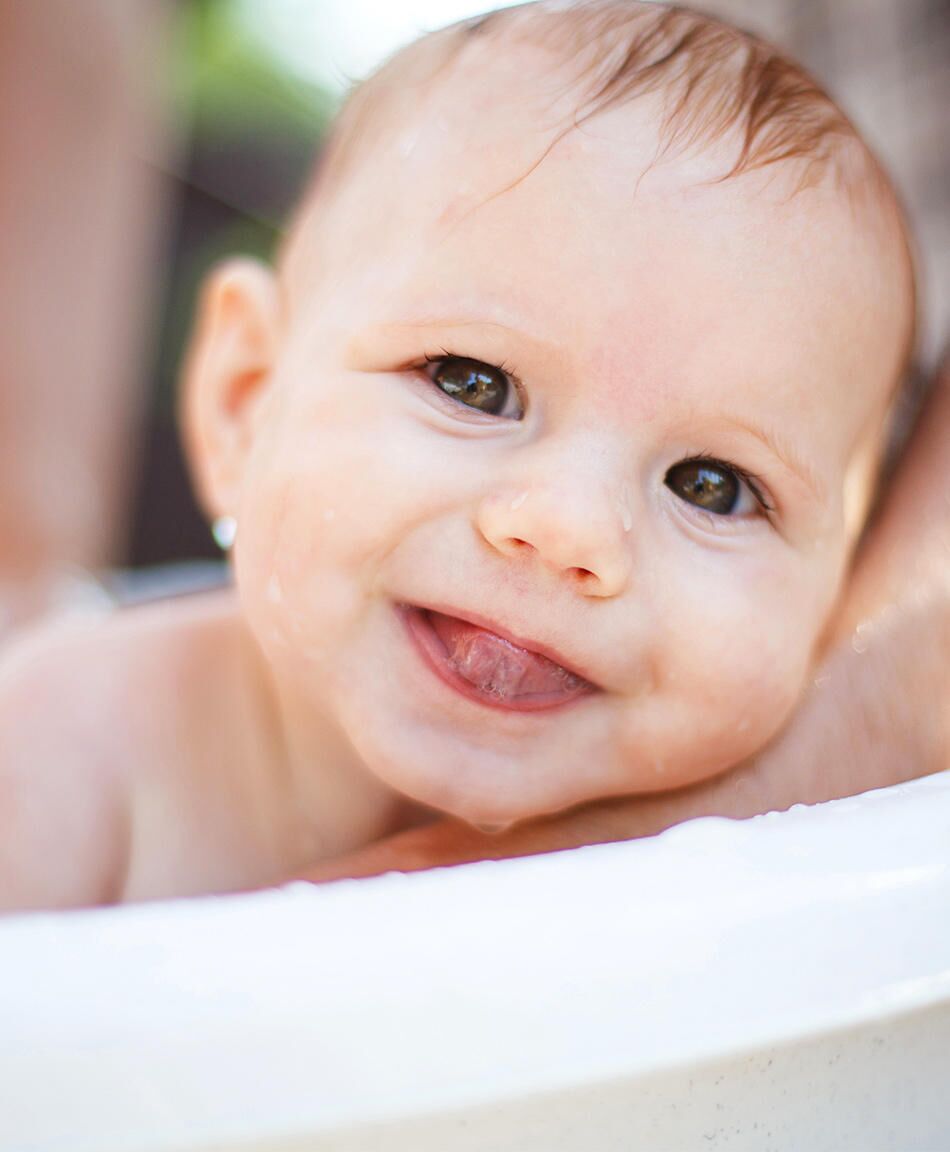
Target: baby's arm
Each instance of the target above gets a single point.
(63, 827)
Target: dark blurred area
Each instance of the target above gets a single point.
(248, 135)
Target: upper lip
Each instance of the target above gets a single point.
(530, 645)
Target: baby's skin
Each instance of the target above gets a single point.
(546, 477)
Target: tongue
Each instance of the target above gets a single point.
(497, 666)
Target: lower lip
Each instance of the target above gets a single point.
(433, 653)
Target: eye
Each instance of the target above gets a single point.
(476, 385)
(715, 487)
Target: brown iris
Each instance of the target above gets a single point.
(705, 484)
(472, 383)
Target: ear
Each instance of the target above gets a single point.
(227, 373)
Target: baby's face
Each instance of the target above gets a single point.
(547, 499)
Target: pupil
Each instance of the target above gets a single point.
(473, 383)
(705, 485)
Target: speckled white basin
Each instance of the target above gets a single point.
(777, 983)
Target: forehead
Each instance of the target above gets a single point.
(481, 202)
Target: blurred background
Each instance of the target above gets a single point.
(142, 141)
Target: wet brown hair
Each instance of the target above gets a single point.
(716, 79)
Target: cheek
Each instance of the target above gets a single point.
(333, 489)
(734, 657)
(314, 508)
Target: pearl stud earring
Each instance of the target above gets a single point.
(224, 529)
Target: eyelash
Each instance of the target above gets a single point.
(508, 370)
(504, 367)
(754, 482)
(442, 355)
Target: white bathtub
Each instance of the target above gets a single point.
(777, 983)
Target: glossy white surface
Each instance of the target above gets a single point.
(782, 982)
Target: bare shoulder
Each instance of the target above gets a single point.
(61, 813)
(83, 706)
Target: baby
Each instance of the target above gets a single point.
(544, 451)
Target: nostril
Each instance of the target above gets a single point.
(521, 545)
(584, 575)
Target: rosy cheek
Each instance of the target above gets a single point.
(282, 527)
(735, 656)
(325, 495)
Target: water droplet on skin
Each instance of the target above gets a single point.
(329, 514)
(493, 828)
(518, 501)
(274, 591)
(860, 639)
(407, 144)
(625, 517)
(744, 724)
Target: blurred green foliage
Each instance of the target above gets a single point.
(249, 130)
(223, 78)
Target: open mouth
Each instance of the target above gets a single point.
(489, 668)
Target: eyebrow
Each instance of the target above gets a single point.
(785, 451)
(436, 321)
(393, 329)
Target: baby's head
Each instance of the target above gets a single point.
(587, 334)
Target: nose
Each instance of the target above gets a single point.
(579, 528)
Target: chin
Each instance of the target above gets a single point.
(472, 806)
(472, 791)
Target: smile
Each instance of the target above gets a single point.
(489, 668)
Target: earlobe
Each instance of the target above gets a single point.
(227, 374)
